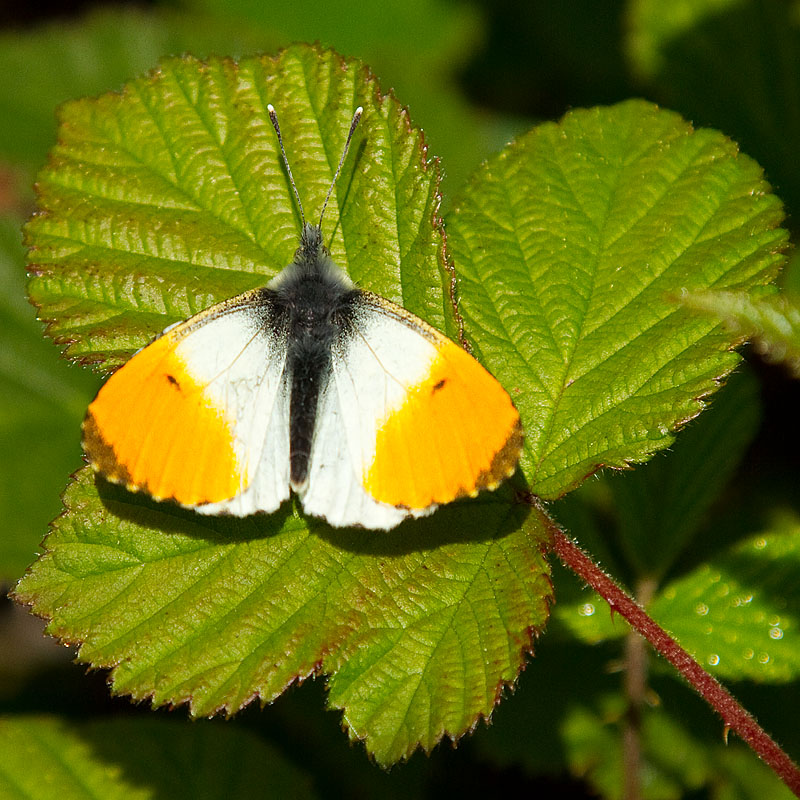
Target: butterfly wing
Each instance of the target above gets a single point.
(200, 415)
(408, 421)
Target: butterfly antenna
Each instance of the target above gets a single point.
(356, 117)
(274, 119)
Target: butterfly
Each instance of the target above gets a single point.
(308, 385)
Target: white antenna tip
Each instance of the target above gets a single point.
(360, 110)
(270, 108)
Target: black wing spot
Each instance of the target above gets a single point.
(174, 382)
(439, 385)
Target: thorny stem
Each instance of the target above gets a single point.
(733, 715)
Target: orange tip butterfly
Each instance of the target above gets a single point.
(307, 385)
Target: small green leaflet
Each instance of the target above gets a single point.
(773, 321)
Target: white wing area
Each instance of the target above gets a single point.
(241, 363)
(370, 378)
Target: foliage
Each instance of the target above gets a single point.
(583, 251)
(138, 759)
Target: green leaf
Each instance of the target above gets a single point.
(46, 757)
(773, 322)
(738, 614)
(170, 196)
(423, 625)
(732, 64)
(418, 47)
(42, 402)
(661, 505)
(569, 243)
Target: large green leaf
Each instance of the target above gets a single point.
(170, 196)
(42, 401)
(569, 245)
(44, 757)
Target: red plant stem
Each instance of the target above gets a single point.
(733, 715)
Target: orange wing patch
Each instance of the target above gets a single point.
(152, 428)
(457, 433)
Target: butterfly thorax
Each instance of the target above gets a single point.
(312, 296)
(311, 259)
